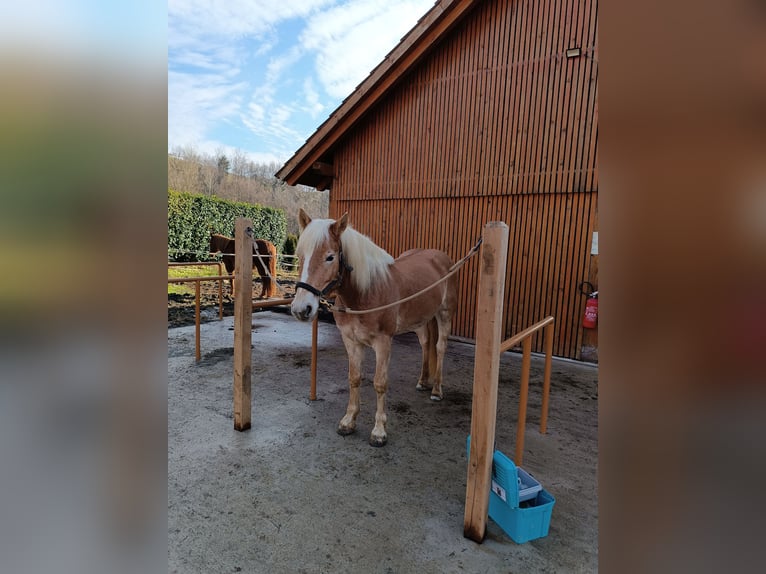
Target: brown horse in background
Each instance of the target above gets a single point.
(264, 261)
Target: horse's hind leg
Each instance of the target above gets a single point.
(422, 333)
(355, 352)
(444, 321)
(427, 336)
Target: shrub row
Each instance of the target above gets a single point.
(193, 217)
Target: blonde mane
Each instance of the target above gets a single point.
(369, 261)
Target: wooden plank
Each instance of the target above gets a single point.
(590, 160)
(555, 87)
(482, 99)
(243, 323)
(496, 99)
(524, 136)
(576, 135)
(545, 96)
(486, 371)
(563, 98)
(580, 264)
(562, 201)
(533, 71)
(522, 12)
(509, 111)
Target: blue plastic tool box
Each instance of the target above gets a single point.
(518, 503)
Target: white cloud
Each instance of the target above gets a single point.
(244, 63)
(312, 105)
(195, 103)
(351, 39)
(235, 18)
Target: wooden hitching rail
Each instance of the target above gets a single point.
(205, 264)
(196, 281)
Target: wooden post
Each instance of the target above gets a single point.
(220, 293)
(314, 333)
(521, 424)
(489, 321)
(197, 355)
(243, 322)
(547, 377)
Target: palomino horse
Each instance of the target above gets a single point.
(266, 254)
(336, 259)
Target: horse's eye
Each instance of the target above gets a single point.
(330, 258)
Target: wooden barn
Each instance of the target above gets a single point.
(486, 110)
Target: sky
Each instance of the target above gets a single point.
(259, 76)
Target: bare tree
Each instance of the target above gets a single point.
(240, 179)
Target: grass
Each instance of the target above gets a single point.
(190, 271)
(208, 270)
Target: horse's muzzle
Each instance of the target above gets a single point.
(303, 311)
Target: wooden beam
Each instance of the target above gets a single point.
(489, 321)
(326, 183)
(322, 168)
(243, 322)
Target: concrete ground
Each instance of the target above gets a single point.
(291, 495)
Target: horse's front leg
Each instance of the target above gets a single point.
(382, 348)
(355, 352)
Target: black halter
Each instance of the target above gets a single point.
(342, 266)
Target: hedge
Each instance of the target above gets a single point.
(192, 217)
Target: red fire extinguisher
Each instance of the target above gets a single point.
(590, 318)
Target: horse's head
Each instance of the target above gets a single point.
(321, 267)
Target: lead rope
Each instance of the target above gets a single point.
(452, 270)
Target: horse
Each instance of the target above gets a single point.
(335, 259)
(265, 262)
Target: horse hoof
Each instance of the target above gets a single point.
(378, 441)
(420, 387)
(344, 431)
(436, 397)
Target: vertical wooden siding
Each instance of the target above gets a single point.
(496, 124)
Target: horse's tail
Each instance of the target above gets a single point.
(270, 287)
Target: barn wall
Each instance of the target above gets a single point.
(495, 124)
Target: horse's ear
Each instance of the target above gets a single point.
(303, 219)
(339, 226)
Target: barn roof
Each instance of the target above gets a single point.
(312, 164)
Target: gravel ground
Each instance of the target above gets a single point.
(291, 495)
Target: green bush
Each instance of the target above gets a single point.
(289, 249)
(193, 217)
(290, 243)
